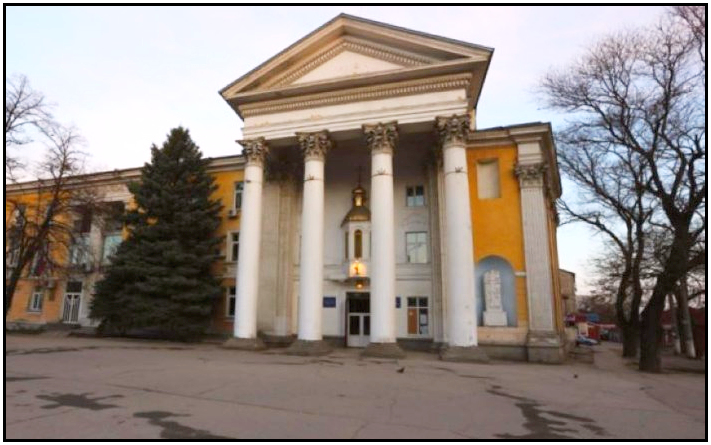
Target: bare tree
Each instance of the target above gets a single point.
(641, 96)
(39, 232)
(26, 112)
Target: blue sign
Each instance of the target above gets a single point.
(329, 301)
(397, 302)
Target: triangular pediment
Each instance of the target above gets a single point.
(351, 52)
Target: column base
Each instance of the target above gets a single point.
(245, 344)
(383, 350)
(309, 348)
(468, 354)
(545, 347)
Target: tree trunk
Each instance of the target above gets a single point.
(651, 335)
(10, 287)
(675, 325)
(630, 340)
(685, 319)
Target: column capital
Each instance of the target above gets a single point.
(531, 175)
(315, 145)
(381, 137)
(452, 129)
(255, 150)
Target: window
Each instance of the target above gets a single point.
(233, 246)
(114, 218)
(79, 250)
(418, 320)
(358, 243)
(40, 261)
(239, 187)
(416, 247)
(35, 302)
(487, 179)
(83, 223)
(416, 196)
(230, 301)
(111, 243)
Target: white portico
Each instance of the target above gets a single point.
(399, 105)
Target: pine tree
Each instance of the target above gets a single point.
(160, 275)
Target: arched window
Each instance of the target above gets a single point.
(358, 244)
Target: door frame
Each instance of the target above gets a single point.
(349, 295)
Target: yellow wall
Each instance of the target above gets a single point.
(225, 192)
(496, 222)
(54, 298)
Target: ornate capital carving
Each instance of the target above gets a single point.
(315, 145)
(255, 150)
(381, 137)
(452, 129)
(531, 175)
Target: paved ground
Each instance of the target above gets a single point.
(83, 388)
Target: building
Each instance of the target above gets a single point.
(368, 210)
(567, 291)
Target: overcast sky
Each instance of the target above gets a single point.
(124, 76)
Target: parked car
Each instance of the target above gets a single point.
(583, 340)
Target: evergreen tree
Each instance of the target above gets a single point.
(160, 275)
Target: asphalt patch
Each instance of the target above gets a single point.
(542, 427)
(77, 401)
(174, 430)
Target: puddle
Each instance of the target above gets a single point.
(78, 401)
(543, 424)
(174, 430)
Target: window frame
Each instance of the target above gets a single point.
(228, 297)
(424, 243)
(32, 305)
(237, 190)
(231, 245)
(415, 188)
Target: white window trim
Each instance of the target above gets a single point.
(31, 306)
(427, 250)
(228, 253)
(227, 302)
(414, 188)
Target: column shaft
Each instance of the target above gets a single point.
(382, 297)
(460, 253)
(314, 147)
(311, 255)
(245, 324)
(461, 293)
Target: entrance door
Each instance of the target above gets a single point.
(358, 320)
(71, 308)
(72, 300)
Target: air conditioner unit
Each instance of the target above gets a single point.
(233, 213)
(87, 267)
(51, 284)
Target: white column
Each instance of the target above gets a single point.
(539, 282)
(245, 326)
(314, 147)
(461, 295)
(381, 140)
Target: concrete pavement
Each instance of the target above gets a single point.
(85, 388)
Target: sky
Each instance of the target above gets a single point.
(124, 76)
